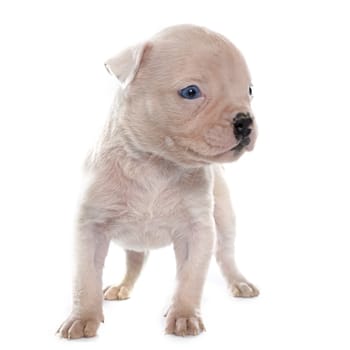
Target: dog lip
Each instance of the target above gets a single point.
(241, 144)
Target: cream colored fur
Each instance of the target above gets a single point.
(155, 178)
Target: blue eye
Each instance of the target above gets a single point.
(190, 92)
(251, 90)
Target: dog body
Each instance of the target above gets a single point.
(155, 178)
(152, 201)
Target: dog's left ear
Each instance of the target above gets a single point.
(125, 65)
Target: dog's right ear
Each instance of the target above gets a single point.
(125, 65)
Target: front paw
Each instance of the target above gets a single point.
(244, 289)
(182, 323)
(79, 327)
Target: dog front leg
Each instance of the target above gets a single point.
(193, 251)
(86, 316)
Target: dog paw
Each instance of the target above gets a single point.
(183, 325)
(78, 327)
(120, 292)
(244, 289)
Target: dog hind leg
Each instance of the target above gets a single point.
(225, 227)
(134, 263)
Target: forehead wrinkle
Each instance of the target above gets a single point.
(203, 57)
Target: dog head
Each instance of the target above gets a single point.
(186, 97)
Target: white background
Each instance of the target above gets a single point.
(291, 194)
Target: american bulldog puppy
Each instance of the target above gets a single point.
(155, 179)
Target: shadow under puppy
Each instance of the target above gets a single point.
(155, 179)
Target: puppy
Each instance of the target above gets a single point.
(155, 179)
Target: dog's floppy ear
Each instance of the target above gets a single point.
(125, 65)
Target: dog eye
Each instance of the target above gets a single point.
(250, 91)
(190, 92)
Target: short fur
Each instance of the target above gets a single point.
(155, 178)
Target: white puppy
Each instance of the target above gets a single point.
(183, 107)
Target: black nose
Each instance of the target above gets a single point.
(241, 125)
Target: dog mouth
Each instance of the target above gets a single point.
(241, 144)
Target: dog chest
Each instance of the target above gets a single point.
(145, 207)
(150, 218)
(160, 208)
